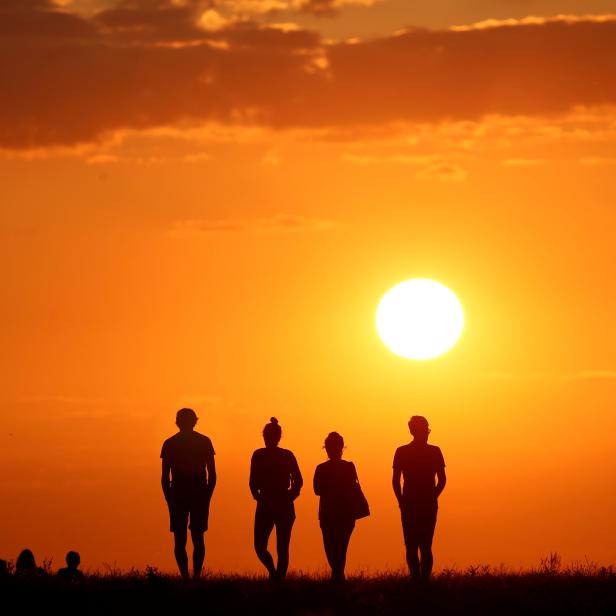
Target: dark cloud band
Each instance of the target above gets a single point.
(68, 80)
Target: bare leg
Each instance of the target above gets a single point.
(283, 539)
(263, 529)
(342, 547)
(198, 552)
(425, 549)
(181, 557)
(328, 544)
(425, 543)
(412, 560)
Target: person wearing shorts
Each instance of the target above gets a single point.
(275, 482)
(188, 481)
(418, 464)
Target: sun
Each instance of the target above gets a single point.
(419, 319)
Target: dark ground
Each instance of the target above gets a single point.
(475, 591)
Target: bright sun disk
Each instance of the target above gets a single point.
(419, 319)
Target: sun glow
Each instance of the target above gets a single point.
(419, 319)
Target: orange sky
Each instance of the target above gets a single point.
(202, 204)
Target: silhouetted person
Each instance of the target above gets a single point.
(335, 482)
(26, 564)
(275, 482)
(71, 572)
(418, 464)
(188, 481)
(4, 568)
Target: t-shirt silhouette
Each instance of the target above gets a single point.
(272, 472)
(418, 463)
(187, 454)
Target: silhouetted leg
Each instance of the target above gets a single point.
(411, 541)
(342, 546)
(181, 557)
(283, 539)
(264, 524)
(425, 543)
(425, 549)
(328, 544)
(198, 542)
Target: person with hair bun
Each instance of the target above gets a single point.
(335, 481)
(275, 482)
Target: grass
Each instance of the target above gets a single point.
(548, 589)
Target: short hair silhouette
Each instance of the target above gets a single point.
(272, 432)
(186, 419)
(73, 559)
(334, 444)
(418, 425)
(25, 561)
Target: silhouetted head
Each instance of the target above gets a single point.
(25, 561)
(4, 567)
(419, 428)
(186, 419)
(272, 433)
(334, 444)
(72, 560)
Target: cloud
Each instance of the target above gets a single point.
(532, 20)
(328, 7)
(211, 20)
(69, 79)
(279, 223)
(444, 172)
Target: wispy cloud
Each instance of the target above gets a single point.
(533, 20)
(444, 172)
(279, 223)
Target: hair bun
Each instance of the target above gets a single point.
(274, 421)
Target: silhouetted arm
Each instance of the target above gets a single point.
(252, 482)
(210, 465)
(165, 479)
(316, 482)
(441, 480)
(395, 483)
(296, 479)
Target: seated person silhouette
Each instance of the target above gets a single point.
(26, 564)
(418, 464)
(188, 481)
(71, 572)
(335, 482)
(275, 482)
